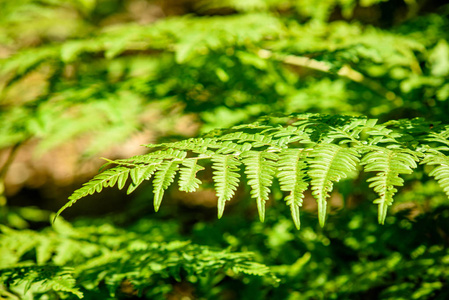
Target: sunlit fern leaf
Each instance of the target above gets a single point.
(164, 176)
(380, 134)
(141, 173)
(330, 164)
(149, 158)
(260, 168)
(350, 131)
(44, 251)
(318, 126)
(441, 137)
(441, 171)
(196, 145)
(187, 176)
(252, 140)
(47, 277)
(331, 146)
(229, 147)
(288, 134)
(389, 163)
(292, 173)
(226, 178)
(251, 268)
(107, 178)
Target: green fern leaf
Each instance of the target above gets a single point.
(441, 171)
(441, 137)
(389, 163)
(48, 277)
(252, 268)
(350, 132)
(260, 168)
(229, 147)
(187, 179)
(196, 145)
(164, 176)
(255, 140)
(141, 173)
(107, 178)
(287, 135)
(330, 164)
(157, 155)
(226, 179)
(292, 178)
(317, 148)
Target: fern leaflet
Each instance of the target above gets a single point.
(187, 179)
(164, 176)
(292, 177)
(389, 163)
(441, 171)
(226, 179)
(260, 169)
(139, 174)
(330, 164)
(440, 137)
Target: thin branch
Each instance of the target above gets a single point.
(4, 170)
(345, 71)
(9, 160)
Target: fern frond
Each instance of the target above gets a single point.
(292, 178)
(441, 171)
(315, 149)
(389, 163)
(226, 179)
(108, 178)
(251, 268)
(330, 164)
(441, 137)
(187, 176)
(164, 176)
(260, 168)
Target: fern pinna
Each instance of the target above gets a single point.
(299, 150)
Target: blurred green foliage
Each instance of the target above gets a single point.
(102, 259)
(351, 258)
(265, 56)
(104, 70)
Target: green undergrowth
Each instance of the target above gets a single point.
(352, 257)
(347, 78)
(108, 261)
